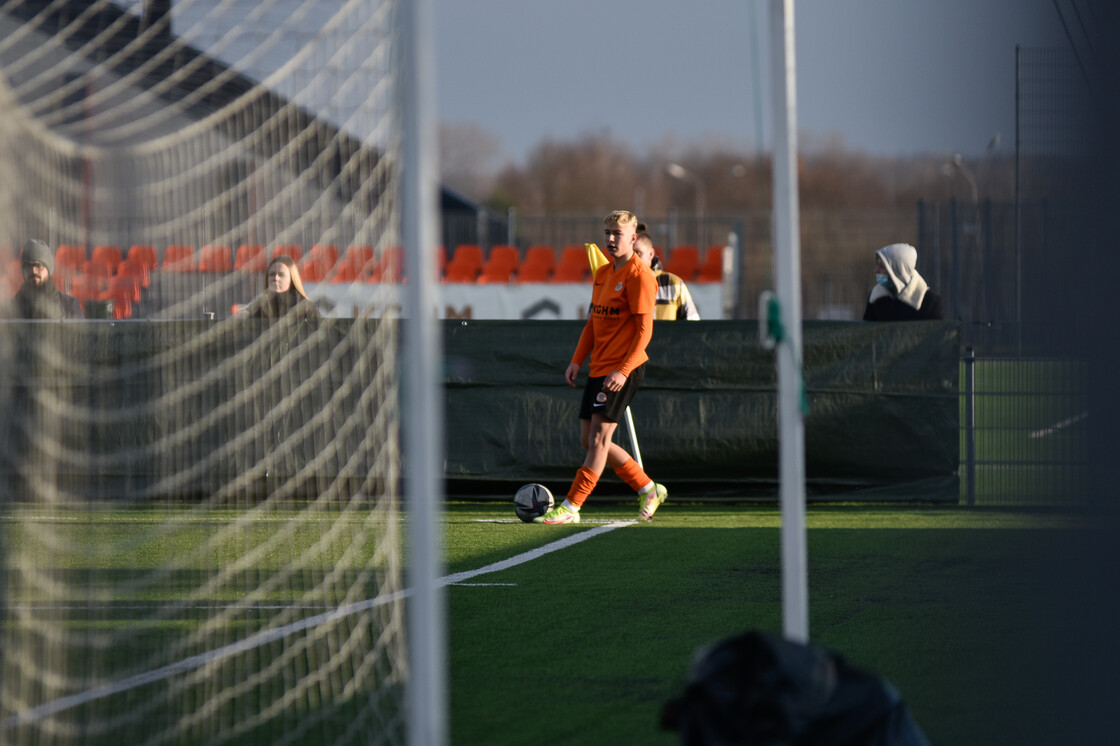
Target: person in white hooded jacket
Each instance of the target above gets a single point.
(900, 293)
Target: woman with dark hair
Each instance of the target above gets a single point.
(284, 294)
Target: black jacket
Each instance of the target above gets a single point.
(48, 303)
(892, 309)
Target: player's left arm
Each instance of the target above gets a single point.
(643, 297)
(643, 333)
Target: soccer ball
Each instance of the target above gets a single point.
(531, 501)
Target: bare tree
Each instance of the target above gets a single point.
(469, 158)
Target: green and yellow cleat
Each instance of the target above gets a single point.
(651, 502)
(558, 515)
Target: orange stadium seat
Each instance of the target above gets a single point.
(311, 270)
(343, 273)
(85, 288)
(573, 265)
(290, 250)
(458, 273)
(319, 262)
(540, 254)
(392, 267)
(537, 265)
(534, 272)
(249, 258)
(500, 264)
(130, 283)
(97, 269)
(684, 262)
(466, 263)
(144, 254)
(179, 258)
(110, 255)
(215, 258)
(130, 268)
(354, 264)
(11, 277)
(502, 256)
(712, 268)
(69, 255)
(496, 274)
(324, 253)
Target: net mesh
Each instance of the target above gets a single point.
(199, 525)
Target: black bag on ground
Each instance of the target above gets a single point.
(761, 689)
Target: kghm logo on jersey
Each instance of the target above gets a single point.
(599, 308)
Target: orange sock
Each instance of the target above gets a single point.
(582, 485)
(633, 475)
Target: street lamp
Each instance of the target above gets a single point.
(677, 171)
(958, 164)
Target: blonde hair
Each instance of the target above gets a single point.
(621, 218)
(293, 270)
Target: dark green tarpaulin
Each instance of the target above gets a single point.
(140, 410)
(883, 420)
(185, 410)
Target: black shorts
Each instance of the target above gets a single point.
(610, 404)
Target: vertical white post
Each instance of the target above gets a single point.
(787, 280)
(631, 431)
(426, 697)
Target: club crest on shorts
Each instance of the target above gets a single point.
(601, 397)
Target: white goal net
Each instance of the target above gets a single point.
(199, 523)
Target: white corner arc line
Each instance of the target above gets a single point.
(263, 638)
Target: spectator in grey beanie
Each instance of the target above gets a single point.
(38, 298)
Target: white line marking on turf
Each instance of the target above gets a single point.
(1059, 426)
(532, 554)
(263, 638)
(518, 520)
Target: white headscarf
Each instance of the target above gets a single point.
(906, 284)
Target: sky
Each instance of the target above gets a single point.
(886, 77)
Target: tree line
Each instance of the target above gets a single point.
(591, 173)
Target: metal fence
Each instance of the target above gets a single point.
(1024, 431)
(992, 263)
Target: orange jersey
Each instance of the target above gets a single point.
(610, 333)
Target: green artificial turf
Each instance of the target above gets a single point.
(970, 613)
(585, 645)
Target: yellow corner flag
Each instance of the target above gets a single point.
(595, 257)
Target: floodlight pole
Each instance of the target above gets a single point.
(787, 281)
(426, 692)
(677, 171)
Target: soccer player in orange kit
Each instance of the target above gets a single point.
(619, 326)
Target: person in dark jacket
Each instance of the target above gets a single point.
(284, 293)
(900, 293)
(37, 297)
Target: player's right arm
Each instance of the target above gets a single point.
(583, 348)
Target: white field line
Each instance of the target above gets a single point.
(268, 636)
(1059, 426)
